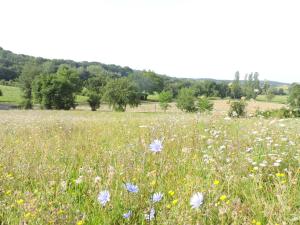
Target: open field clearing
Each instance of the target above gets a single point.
(54, 165)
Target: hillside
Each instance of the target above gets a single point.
(11, 65)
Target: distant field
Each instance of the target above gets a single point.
(278, 98)
(54, 164)
(11, 95)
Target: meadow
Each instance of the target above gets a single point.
(54, 165)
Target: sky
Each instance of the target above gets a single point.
(180, 38)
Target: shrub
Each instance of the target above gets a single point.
(164, 98)
(294, 96)
(94, 100)
(186, 100)
(279, 113)
(237, 109)
(204, 105)
(1, 93)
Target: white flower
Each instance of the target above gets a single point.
(196, 200)
(97, 179)
(156, 197)
(156, 146)
(79, 180)
(104, 197)
(149, 216)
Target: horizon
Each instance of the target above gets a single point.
(209, 40)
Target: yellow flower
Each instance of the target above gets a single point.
(80, 222)
(27, 215)
(258, 223)
(60, 212)
(8, 192)
(175, 201)
(171, 193)
(223, 198)
(153, 183)
(169, 206)
(254, 221)
(216, 182)
(280, 174)
(20, 202)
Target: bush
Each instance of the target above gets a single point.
(164, 98)
(204, 105)
(294, 96)
(1, 93)
(94, 100)
(279, 113)
(186, 100)
(237, 109)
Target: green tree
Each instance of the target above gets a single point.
(294, 96)
(1, 92)
(164, 98)
(57, 91)
(121, 92)
(235, 87)
(204, 105)
(270, 94)
(29, 72)
(95, 87)
(186, 100)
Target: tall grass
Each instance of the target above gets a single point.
(54, 164)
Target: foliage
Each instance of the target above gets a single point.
(94, 100)
(237, 109)
(121, 92)
(279, 113)
(57, 91)
(186, 100)
(235, 87)
(251, 87)
(294, 96)
(165, 97)
(1, 93)
(204, 105)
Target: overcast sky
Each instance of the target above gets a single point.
(182, 38)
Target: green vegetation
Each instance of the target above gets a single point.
(294, 96)
(10, 95)
(186, 100)
(277, 98)
(204, 105)
(237, 109)
(54, 164)
(165, 97)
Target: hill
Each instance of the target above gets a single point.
(11, 65)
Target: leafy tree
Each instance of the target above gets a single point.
(1, 92)
(94, 86)
(121, 92)
(270, 94)
(294, 96)
(57, 91)
(204, 105)
(235, 87)
(29, 72)
(186, 100)
(165, 97)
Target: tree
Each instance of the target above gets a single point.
(294, 96)
(236, 90)
(204, 105)
(94, 86)
(121, 92)
(186, 100)
(29, 72)
(270, 94)
(57, 91)
(1, 92)
(165, 97)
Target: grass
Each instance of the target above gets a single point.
(11, 95)
(53, 164)
(282, 99)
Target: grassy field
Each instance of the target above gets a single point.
(278, 98)
(54, 164)
(11, 95)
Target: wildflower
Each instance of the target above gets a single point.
(156, 146)
(216, 182)
(8, 192)
(153, 183)
(171, 193)
(280, 174)
(131, 188)
(27, 215)
(223, 197)
(127, 215)
(20, 202)
(104, 197)
(149, 216)
(97, 179)
(174, 202)
(156, 197)
(80, 222)
(276, 164)
(196, 200)
(79, 180)
(169, 206)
